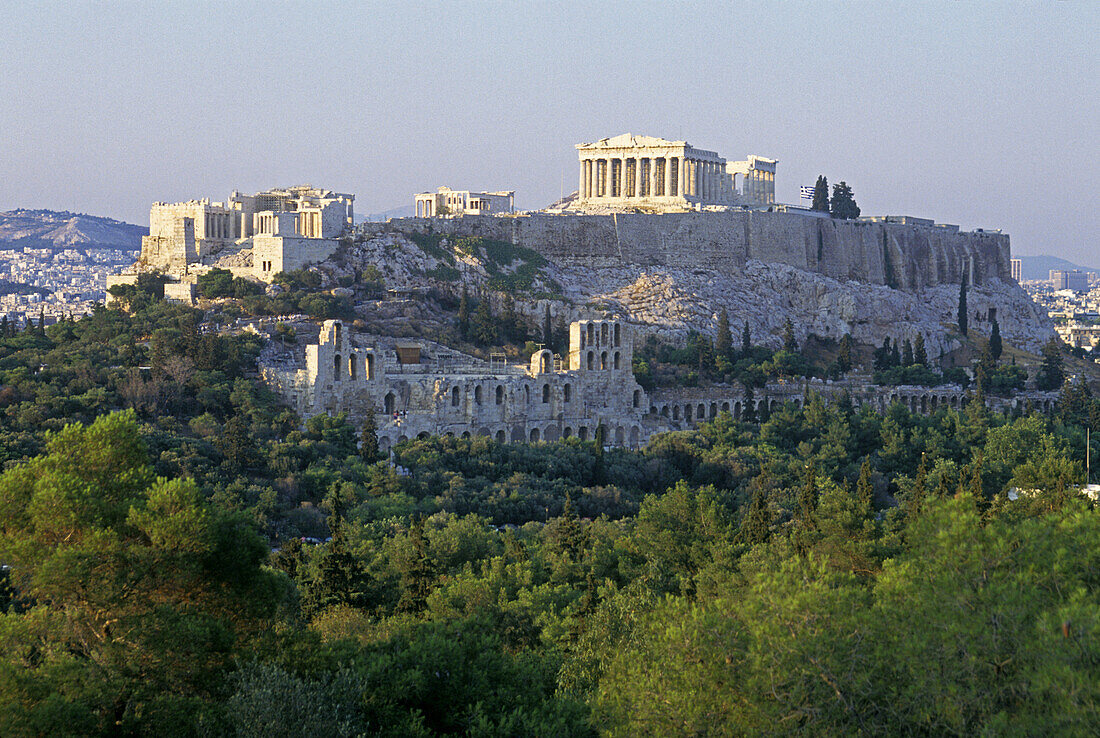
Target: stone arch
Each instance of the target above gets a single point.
(546, 361)
(500, 394)
(546, 394)
(798, 403)
(635, 436)
(483, 431)
(370, 367)
(384, 444)
(389, 403)
(616, 361)
(527, 394)
(591, 360)
(501, 436)
(726, 406)
(466, 435)
(582, 433)
(551, 433)
(567, 393)
(687, 413)
(339, 329)
(477, 394)
(353, 373)
(337, 368)
(603, 334)
(591, 334)
(737, 409)
(566, 432)
(534, 435)
(620, 436)
(618, 336)
(637, 398)
(675, 412)
(701, 412)
(402, 438)
(603, 360)
(423, 435)
(517, 435)
(456, 396)
(924, 404)
(772, 405)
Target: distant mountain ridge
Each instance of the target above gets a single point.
(1038, 267)
(52, 229)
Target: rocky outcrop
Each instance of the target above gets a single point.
(62, 230)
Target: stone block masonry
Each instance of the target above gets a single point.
(903, 256)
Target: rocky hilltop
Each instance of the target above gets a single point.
(64, 230)
(669, 297)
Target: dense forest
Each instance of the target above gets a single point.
(182, 555)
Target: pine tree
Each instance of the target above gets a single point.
(907, 353)
(340, 579)
(920, 354)
(42, 322)
(464, 313)
(748, 405)
(962, 318)
(895, 355)
(723, 340)
(746, 339)
(789, 342)
(821, 195)
(995, 347)
(808, 497)
(1051, 375)
(918, 492)
(416, 571)
(843, 204)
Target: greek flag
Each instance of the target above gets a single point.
(807, 192)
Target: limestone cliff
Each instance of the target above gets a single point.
(673, 272)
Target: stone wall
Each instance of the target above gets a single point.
(904, 256)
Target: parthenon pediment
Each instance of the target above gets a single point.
(630, 140)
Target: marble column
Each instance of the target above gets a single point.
(580, 184)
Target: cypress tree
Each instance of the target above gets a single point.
(756, 527)
(995, 347)
(962, 316)
(368, 438)
(748, 409)
(907, 353)
(416, 572)
(865, 491)
(483, 326)
(808, 496)
(42, 322)
(746, 339)
(547, 329)
(917, 493)
(723, 341)
(844, 358)
(920, 354)
(464, 313)
(789, 342)
(821, 195)
(895, 355)
(843, 204)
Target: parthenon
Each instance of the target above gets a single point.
(630, 170)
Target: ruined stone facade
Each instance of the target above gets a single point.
(463, 202)
(445, 393)
(649, 172)
(275, 230)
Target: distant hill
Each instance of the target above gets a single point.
(1038, 267)
(405, 211)
(38, 229)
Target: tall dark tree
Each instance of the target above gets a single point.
(483, 325)
(962, 318)
(844, 358)
(1051, 374)
(907, 353)
(547, 328)
(789, 342)
(368, 438)
(756, 526)
(995, 347)
(723, 341)
(746, 338)
(415, 568)
(865, 491)
(895, 355)
(920, 354)
(821, 195)
(464, 313)
(843, 204)
(748, 405)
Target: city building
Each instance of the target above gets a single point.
(463, 202)
(1069, 279)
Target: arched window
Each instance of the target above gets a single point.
(567, 393)
(618, 336)
(500, 436)
(389, 403)
(352, 371)
(477, 394)
(637, 398)
(527, 394)
(456, 397)
(603, 360)
(500, 395)
(545, 393)
(337, 368)
(590, 360)
(339, 328)
(617, 361)
(582, 433)
(534, 435)
(370, 367)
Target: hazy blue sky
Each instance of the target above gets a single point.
(984, 115)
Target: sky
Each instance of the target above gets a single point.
(985, 115)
